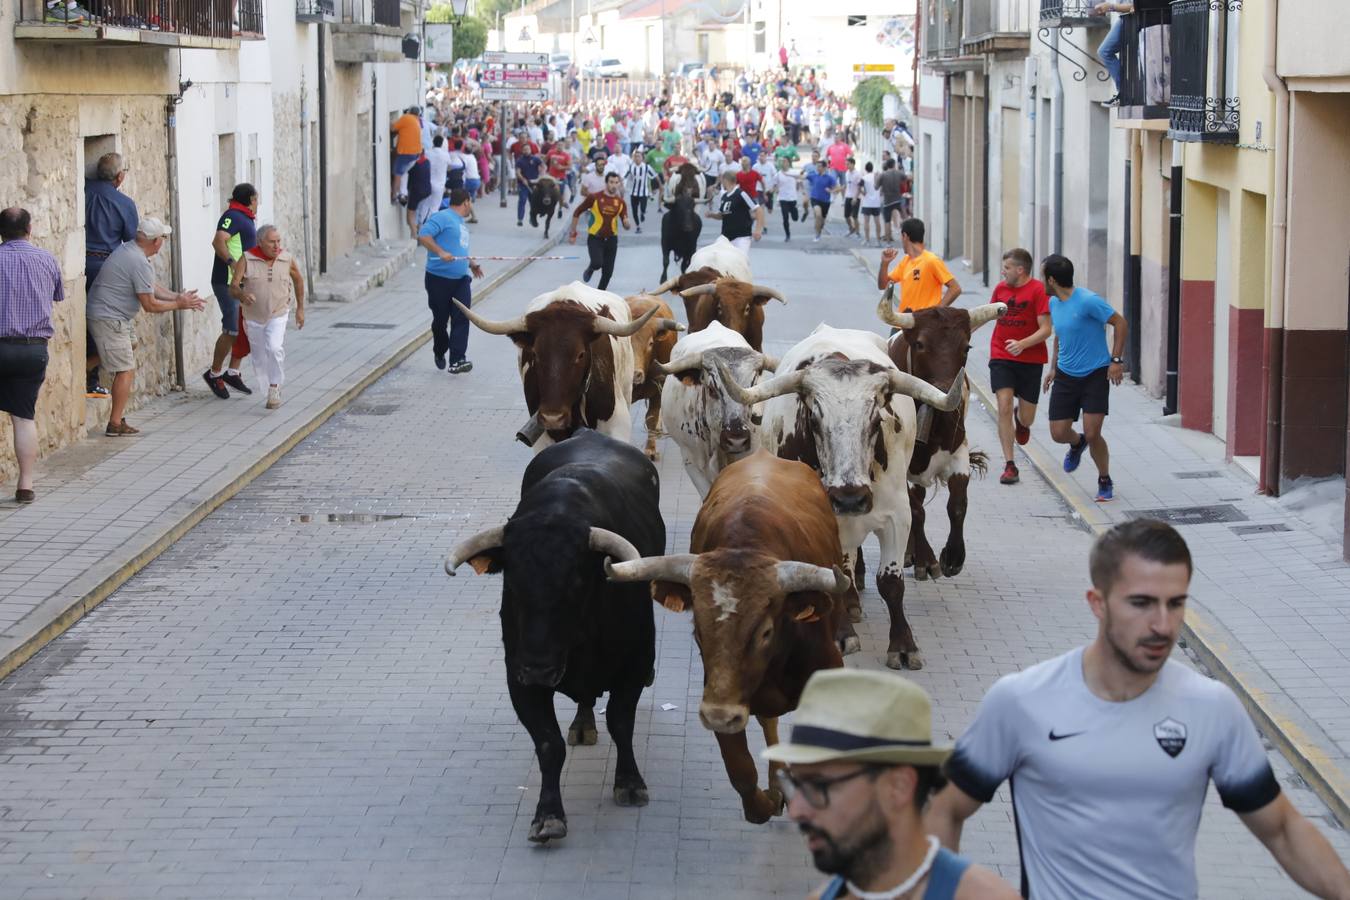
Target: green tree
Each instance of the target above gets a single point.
(869, 98)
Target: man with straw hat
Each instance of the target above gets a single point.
(860, 765)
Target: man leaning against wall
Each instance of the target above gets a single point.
(110, 218)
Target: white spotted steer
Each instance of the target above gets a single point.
(712, 428)
(842, 407)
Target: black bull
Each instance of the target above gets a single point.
(565, 627)
(545, 201)
(680, 229)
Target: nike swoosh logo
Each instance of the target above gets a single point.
(1060, 737)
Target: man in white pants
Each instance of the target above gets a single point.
(268, 282)
(742, 218)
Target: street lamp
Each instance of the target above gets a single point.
(459, 8)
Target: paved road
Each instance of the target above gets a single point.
(294, 701)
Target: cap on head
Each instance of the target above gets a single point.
(860, 715)
(152, 228)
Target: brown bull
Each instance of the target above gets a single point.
(762, 580)
(652, 346)
(932, 345)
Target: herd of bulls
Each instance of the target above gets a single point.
(797, 460)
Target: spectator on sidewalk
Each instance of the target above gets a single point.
(922, 277)
(262, 285)
(1082, 370)
(110, 218)
(742, 218)
(125, 286)
(1017, 353)
(30, 282)
(860, 765)
(407, 134)
(235, 235)
(449, 274)
(422, 199)
(439, 158)
(1113, 746)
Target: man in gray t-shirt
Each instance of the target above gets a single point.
(890, 182)
(1109, 749)
(125, 286)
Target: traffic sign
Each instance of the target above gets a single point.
(515, 59)
(522, 77)
(512, 92)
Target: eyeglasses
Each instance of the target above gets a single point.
(816, 791)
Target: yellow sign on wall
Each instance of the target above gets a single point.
(879, 68)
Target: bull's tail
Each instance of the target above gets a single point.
(979, 462)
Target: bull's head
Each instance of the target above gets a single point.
(737, 304)
(840, 407)
(656, 339)
(742, 601)
(549, 577)
(562, 344)
(933, 343)
(721, 413)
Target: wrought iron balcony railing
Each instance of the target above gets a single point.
(1145, 64)
(119, 21)
(248, 19)
(1071, 13)
(995, 25)
(1204, 102)
(315, 10)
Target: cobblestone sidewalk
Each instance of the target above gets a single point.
(1271, 610)
(108, 506)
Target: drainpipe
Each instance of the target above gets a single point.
(947, 165)
(1030, 71)
(306, 173)
(323, 153)
(1134, 299)
(374, 154)
(176, 223)
(984, 224)
(1170, 403)
(1279, 248)
(1057, 104)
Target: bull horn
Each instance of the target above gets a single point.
(765, 390)
(922, 391)
(665, 286)
(768, 363)
(683, 364)
(699, 290)
(678, 568)
(760, 290)
(611, 544)
(668, 325)
(800, 576)
(602, 325)
(509, 326)
(468, 549)
(986, 313)
(886, 313)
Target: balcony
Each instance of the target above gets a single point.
(942, 38)
(209, 24)
(315, 11)
(996, 26)
(248, 19)
(1071, 14)
(1146, 69)
(1204, 103)
(368, 31)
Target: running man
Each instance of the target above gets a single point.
(853, 183)
(922, 277)
(822, 185)
(1112, 747)
(1017, 353)
(742, 218)
(785, 189)
(602, 239)
(1082, 369)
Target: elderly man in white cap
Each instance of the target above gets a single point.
(126, 285)
(861, 763)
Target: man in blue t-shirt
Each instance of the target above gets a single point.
(235, 235)
(450, 270)
(823, 185)
(1081, 368)
(529, 166)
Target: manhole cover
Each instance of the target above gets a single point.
(1207, 473)
(1192, 515)
(349, 518)
(375, 409)
(378, 326)
(1259, 529)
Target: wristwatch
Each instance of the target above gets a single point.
(1117, 360)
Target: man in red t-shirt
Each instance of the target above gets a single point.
(559, 161)
(750, 181)
(1017, 352)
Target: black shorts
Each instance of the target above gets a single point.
(823, 206)
(889, 208)
(23, 366)
(873, 211)
(1023, 378)
(850, 208)
(1071, 394)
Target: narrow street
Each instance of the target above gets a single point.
(295, 701)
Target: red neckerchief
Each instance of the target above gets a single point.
(239, 207)
(258, 253)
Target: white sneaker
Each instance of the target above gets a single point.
(273, 397)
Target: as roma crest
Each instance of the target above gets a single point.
(1171, 736)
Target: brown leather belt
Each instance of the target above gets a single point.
(98, 254)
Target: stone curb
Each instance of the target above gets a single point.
(1203, 637)
(100, 581)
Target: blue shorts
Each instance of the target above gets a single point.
(229, 308)
(472, 185)
(403, 162)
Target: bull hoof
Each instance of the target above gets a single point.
(548, 828)
(653, 454)
(585, 736)
(909, 559)
(897, 659)
(630, 794)
(855, 614)
(951, 563)
(850, 645)
(925, 571)
(778, 801)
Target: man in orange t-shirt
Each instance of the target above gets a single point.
(407, 131)
(922, 277)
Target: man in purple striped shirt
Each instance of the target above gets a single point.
(30, 281)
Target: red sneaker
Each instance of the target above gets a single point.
(1010, 474)
(1023, 433)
